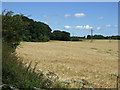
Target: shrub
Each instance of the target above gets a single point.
(60, 35)
(74, 39)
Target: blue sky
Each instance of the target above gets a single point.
(75, 17)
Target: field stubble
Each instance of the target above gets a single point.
(94, 62)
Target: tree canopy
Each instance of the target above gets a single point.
(12, 28)
(18, 28)
(36, 31)
(60, 35)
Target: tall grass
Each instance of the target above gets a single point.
(16, 74)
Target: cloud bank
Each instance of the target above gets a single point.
(111, 26)
(78, 27)
(78, 15)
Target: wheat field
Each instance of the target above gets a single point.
(96, 62)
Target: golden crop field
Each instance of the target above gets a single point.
(95, 62)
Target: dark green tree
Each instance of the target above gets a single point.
(88, 36)
(12, 28)
(37, 31)
(98, 37)
(60, 35)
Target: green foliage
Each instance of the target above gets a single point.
(36, 31)
(65, 36)
(12, 28)
(74, 38)
(19, 27)
(98, 37)
(88, 36)
(117, 37)
(60, 35)
(16, 74)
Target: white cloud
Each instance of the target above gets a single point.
(78, 27)
(85, 27)
(101, 18)
(78, 15)
(88, 27)
(67, 27)
(112, 26)
(82, 27)
(98, 28)
(109, 25)
(67, 15)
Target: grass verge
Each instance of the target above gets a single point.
(16, 74)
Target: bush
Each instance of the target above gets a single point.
(74, 39)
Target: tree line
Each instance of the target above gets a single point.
(117, 37)
(16, 28)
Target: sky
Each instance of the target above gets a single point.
(78, 18)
